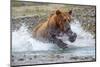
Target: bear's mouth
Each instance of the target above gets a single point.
(70, 36)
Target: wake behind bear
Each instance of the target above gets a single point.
(56, 23)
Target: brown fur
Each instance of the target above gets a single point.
(55, 21)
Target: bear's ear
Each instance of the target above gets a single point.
(58, 12)
(70, 12)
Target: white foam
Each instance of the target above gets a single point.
(22, 41)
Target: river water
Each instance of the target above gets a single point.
(83, 46)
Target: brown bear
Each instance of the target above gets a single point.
(57, 23)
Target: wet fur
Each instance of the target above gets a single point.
(51, 28)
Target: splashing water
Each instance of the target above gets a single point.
(84, 39)
(22, 40)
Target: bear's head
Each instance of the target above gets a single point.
(62, 20)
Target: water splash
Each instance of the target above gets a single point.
(22, 40)
(84, 38)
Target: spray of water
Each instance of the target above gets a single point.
(22, 40)
(84, 38)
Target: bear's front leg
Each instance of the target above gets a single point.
(59, 42)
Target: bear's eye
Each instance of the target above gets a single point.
(69, 20)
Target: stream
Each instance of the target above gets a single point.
(22, 42)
